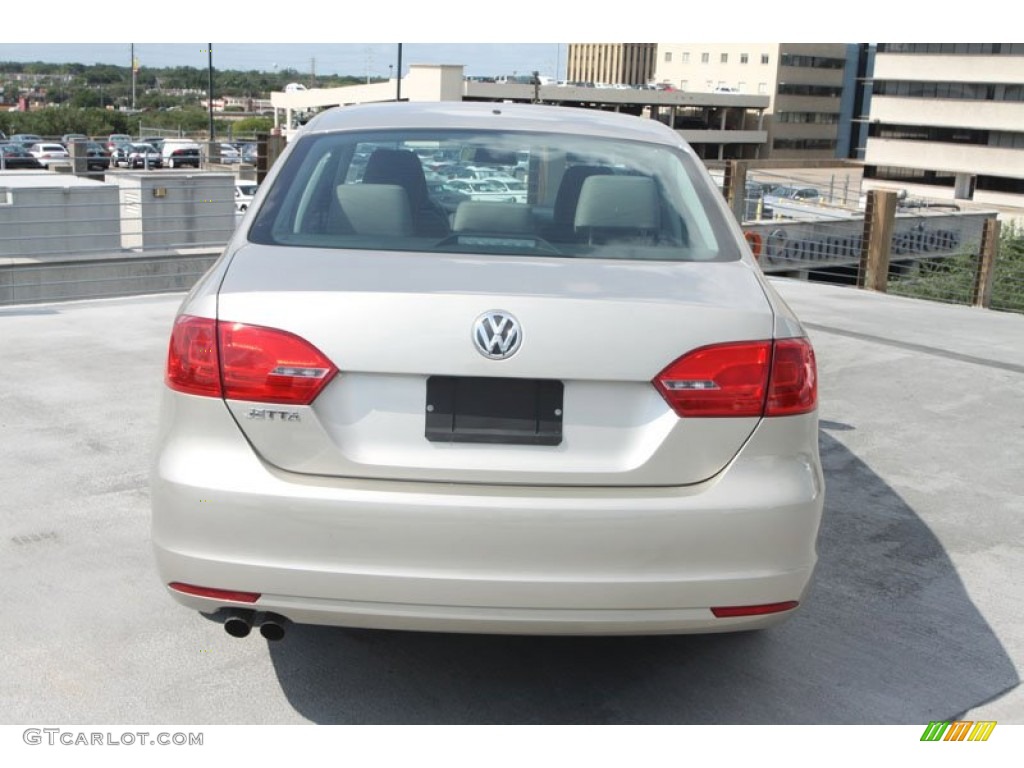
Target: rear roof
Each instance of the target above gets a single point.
(492, 116)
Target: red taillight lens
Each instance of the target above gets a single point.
(723, 380)
(271, 366)
(793, 387)
(215, 594)
(749, 378)
(192, 364)
(754, 610)
(245, 362)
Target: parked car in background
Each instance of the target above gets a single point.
(49, 153)
(230, 154)
(98, 157)
(14, 157)
(153, 141)
(26, 140)
(488, 189)
(779, 193)
(117, 139)
(599, 420)
(140, 155)
(180, 154)
(515, 187)
(244, 191)
(446, 197)
(119, 155)
(796, 193)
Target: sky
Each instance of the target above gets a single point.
(359, 59)
(488, 38)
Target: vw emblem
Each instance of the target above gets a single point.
(497, 334)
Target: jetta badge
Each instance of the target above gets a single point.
(497, 334)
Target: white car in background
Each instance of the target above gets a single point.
(585, 413)
(489, 189)
(244, 192)
(49, 153)
(230, 154)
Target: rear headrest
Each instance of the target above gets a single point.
(569, 192)
(618, 202)
(376, 209)
(398, 166)
(479, 216)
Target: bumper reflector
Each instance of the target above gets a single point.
(215, 594)
(754, 610)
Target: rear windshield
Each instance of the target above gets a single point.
(494, 192)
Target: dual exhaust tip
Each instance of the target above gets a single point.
(239, 623)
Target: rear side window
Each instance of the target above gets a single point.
(494, 192)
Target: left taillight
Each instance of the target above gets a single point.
(245, 362)
(192, 360)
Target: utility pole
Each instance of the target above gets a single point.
(135, 72)
(209, 92)
(312, 72)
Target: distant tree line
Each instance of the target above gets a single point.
(91, 98)
(93, 121)
(79, 84)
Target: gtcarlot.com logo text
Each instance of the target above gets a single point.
(58, 736)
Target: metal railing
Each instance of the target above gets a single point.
(56, 230)
(836, 232)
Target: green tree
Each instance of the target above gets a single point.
(253, 125)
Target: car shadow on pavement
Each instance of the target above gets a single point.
(888, 635)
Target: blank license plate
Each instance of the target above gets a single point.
(474, 409)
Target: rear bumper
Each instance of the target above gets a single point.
(485, 558)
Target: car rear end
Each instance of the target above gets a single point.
(181, 156)
(48, 154)
(601, 421)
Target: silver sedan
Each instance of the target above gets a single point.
(584, 413)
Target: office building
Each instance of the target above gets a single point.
(611, 63)
(810, 86)
(950, 115)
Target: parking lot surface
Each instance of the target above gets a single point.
(914, 616)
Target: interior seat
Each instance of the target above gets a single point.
(403, 167)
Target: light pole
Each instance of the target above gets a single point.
(398, 82)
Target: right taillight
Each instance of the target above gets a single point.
(244, 362)
(742, 379)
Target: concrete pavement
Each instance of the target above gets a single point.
(914, 615)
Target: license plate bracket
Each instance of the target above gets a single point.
(481, 409)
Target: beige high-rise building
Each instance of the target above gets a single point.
(805, 82)
(611, 63)
(950, 115)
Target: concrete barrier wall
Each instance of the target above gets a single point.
(47, 214)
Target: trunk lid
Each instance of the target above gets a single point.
(393, 321)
